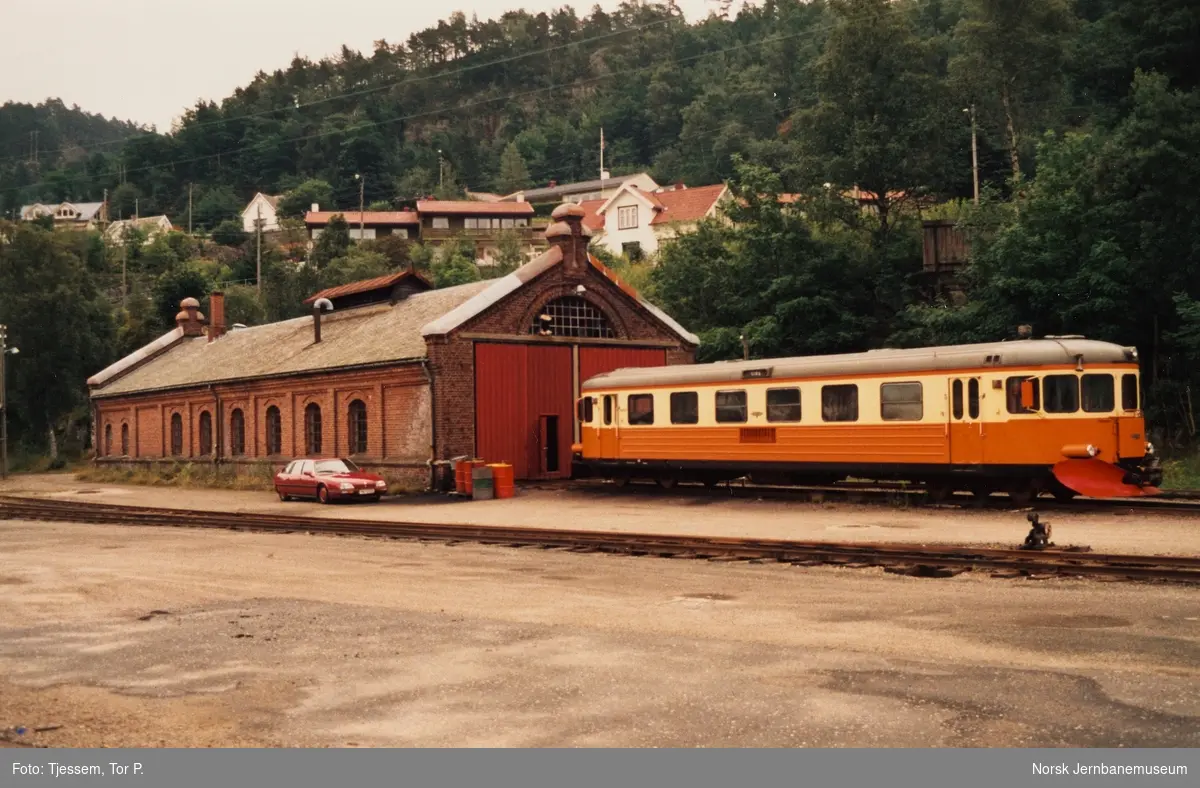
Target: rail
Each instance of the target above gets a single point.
(909, 558)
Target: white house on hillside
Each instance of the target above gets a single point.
(78, 215)
(152, 226)
(634, 222)
(268, 206)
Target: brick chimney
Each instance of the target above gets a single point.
(216, 321)
(568, 234)
(190, 319)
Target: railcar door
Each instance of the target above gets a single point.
(966, 422)
(608, 426)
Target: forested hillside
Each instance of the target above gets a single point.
(678, 98)
(1088, 119)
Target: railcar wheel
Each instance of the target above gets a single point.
(980, 493)
(666, 482)
(938, 492)
(283, 496)
(1021, 495)
(620, 481)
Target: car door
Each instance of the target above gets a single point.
(307, 485)
(285, 482)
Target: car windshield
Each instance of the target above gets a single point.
(336, 466)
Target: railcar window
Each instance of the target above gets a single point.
(1129, 392)
(641, 408)
(956, 399)
(1012, 395)
(901, 402)
(731, 407)
(839, 403)
(608, 409)
(973, 398)
(1098, 393)
(1060, 393)
(685, 407)
(783, 404)
(586, 410)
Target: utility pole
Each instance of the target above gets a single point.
(974, 152)
(104, 218)
(136, 213)
(5, 352)
(441, 170)
(601, 157)
(189, 209)
(362, 182)
(258, 251)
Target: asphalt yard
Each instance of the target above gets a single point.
(130, 636)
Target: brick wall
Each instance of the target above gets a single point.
(452, 358)
(397, 403)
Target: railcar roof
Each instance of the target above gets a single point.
(1017, 353)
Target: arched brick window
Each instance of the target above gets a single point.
(237, 433)
(125, 440)
(274, 431)
(312, 429)
(358, 427)
(571, 316)
(206, 435)
(176, 434)
(107, 440)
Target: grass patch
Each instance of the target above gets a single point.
(183, 474)
(1182, 473)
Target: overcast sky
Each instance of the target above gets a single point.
(149, 60)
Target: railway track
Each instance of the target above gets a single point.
(908, 558)
(1182, 502)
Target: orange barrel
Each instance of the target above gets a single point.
(468, 467)
(460, 486)
(502, 479)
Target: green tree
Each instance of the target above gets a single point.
(185, 280)
(877, 123)
(1010, 57)
(454, 264)
(514, 175)
(300, 200)
(62, 325)
(229, 233)
(243, 305)
(333, 243)
(216, 205)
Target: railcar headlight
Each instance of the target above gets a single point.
(1149, 447)
(347, 487)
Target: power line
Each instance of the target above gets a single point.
(362, 92)
(447, 109)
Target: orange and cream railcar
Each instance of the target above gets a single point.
(1059, 415)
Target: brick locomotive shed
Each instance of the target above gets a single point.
(399, 376)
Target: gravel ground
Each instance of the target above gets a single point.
(685, 511)
(131, 636)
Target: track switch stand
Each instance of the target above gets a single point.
(1039, 534)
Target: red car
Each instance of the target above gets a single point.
(328, 480)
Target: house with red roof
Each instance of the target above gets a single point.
(634, 222)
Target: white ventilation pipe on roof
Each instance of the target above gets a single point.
(320, 304)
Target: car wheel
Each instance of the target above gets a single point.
(322, 494)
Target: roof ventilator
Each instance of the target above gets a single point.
(321, 304)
